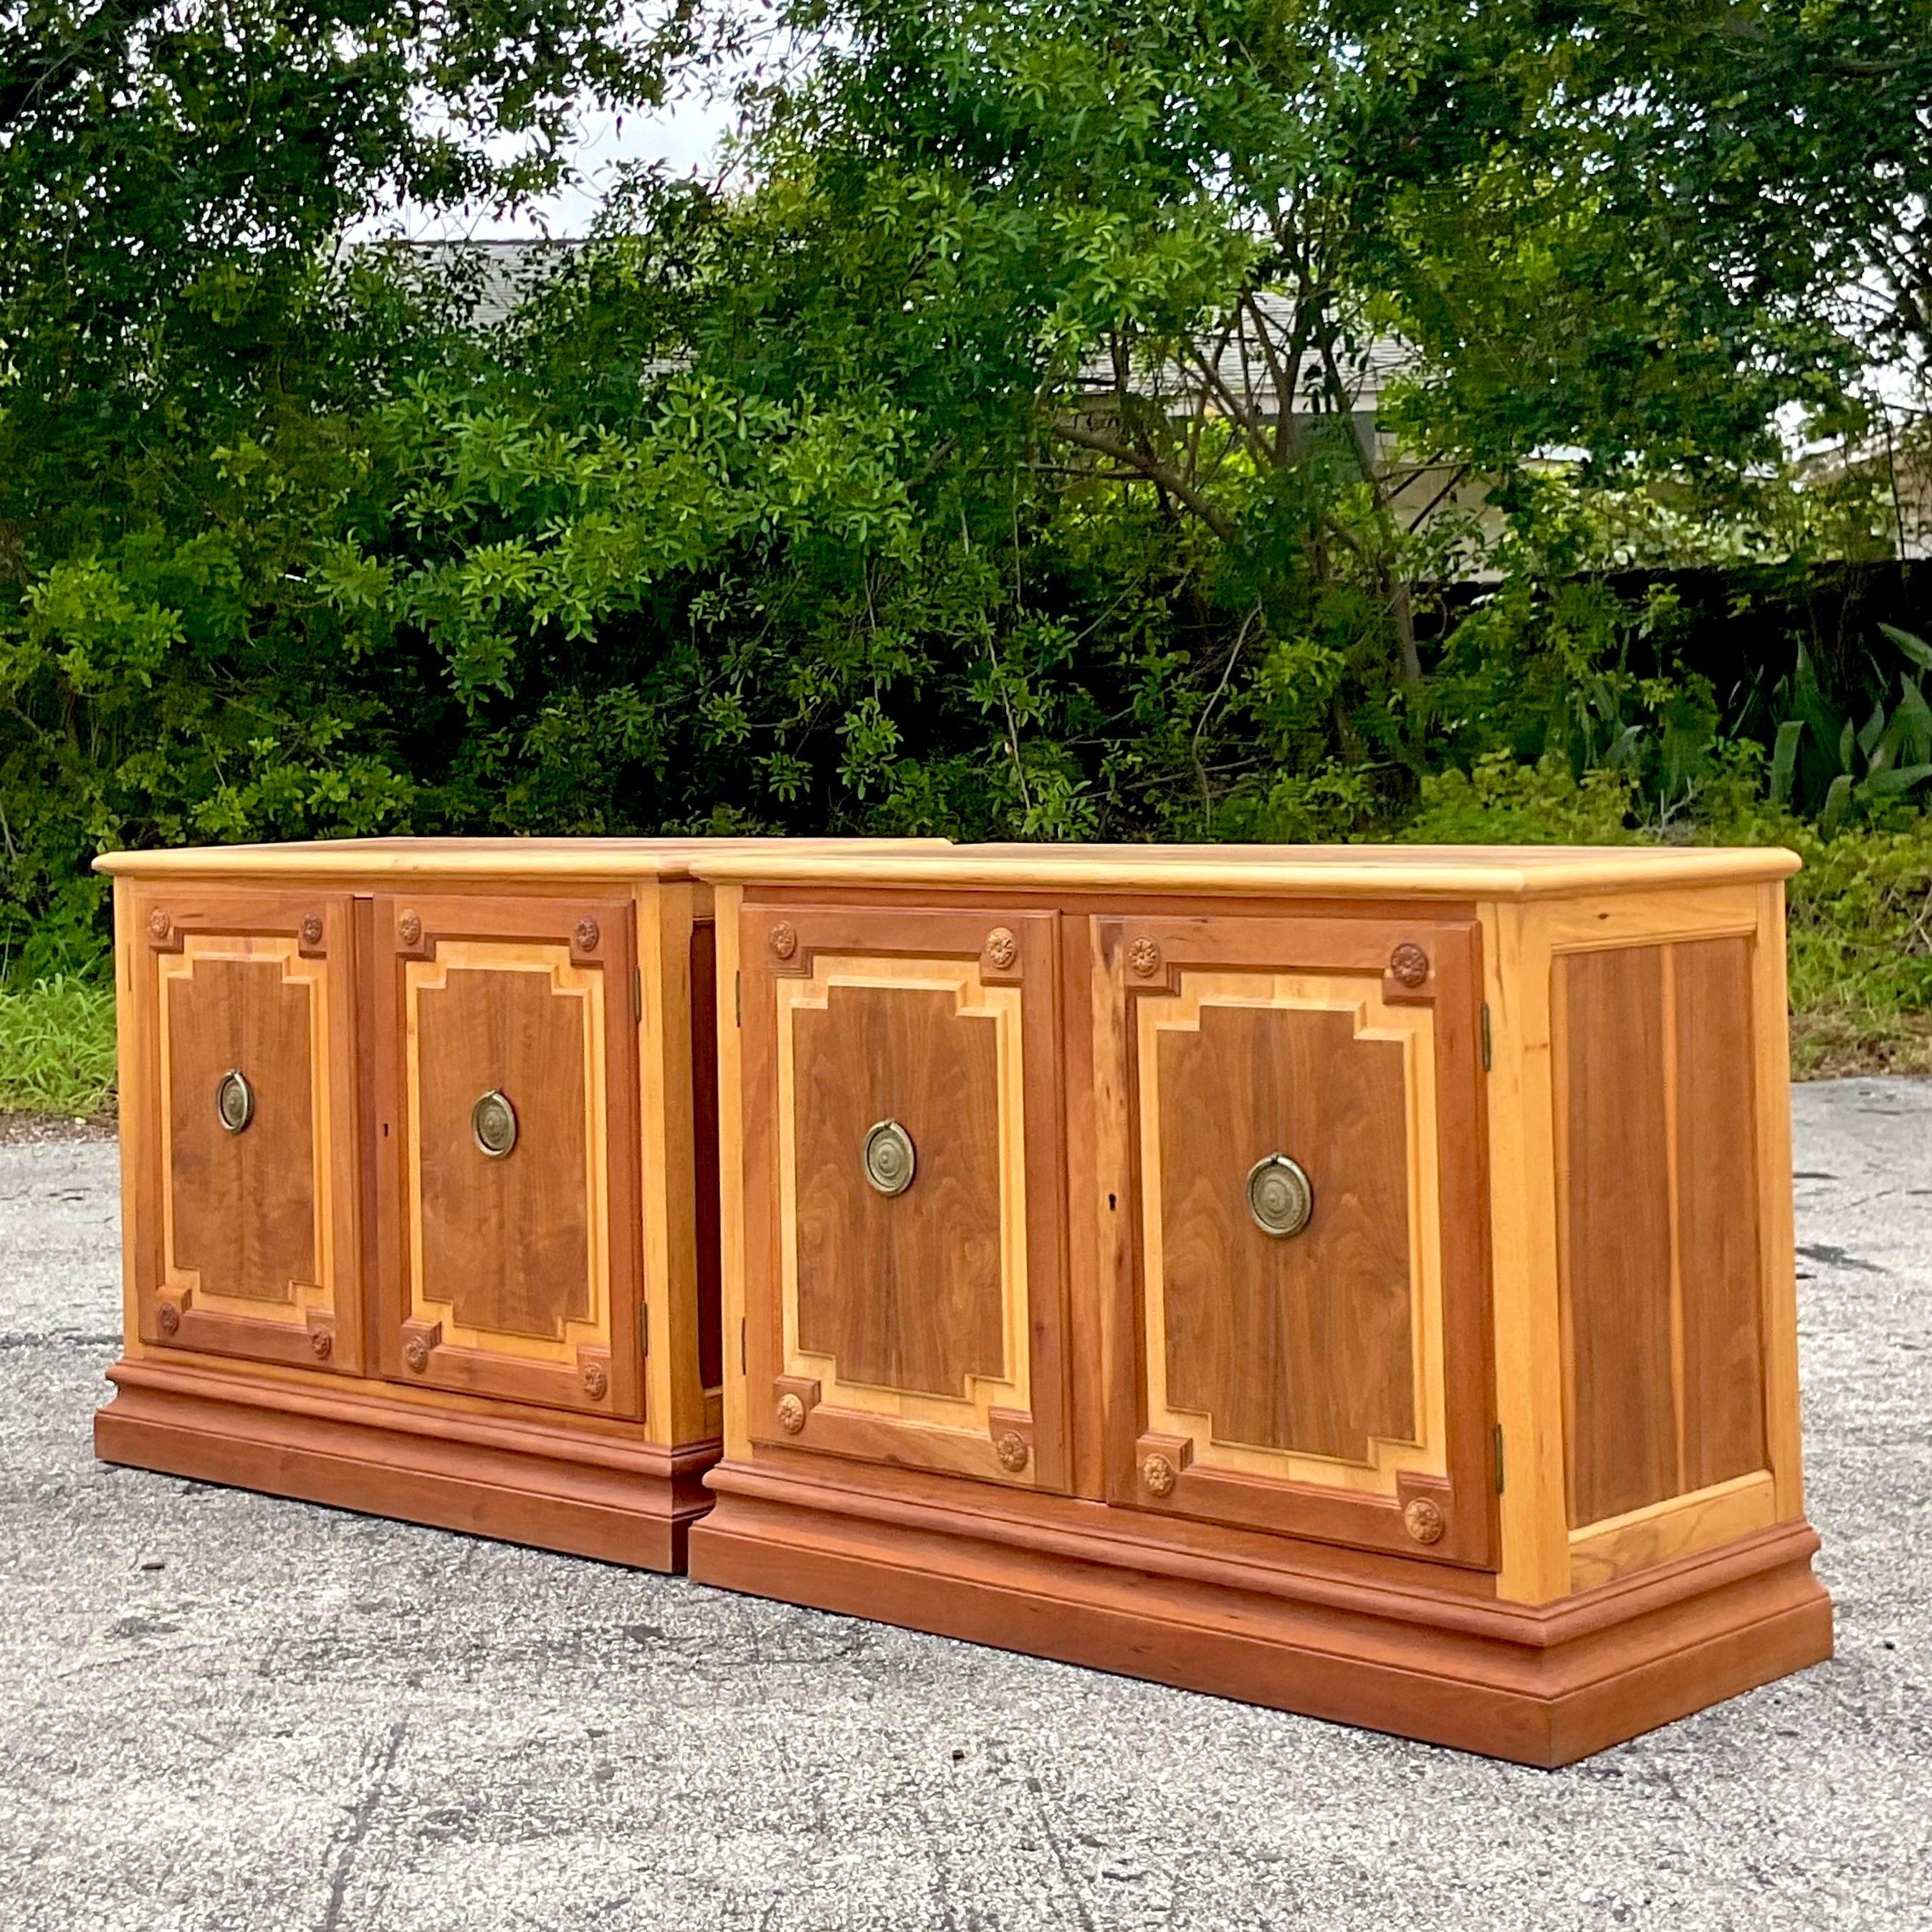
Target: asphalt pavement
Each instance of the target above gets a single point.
(221, 1710)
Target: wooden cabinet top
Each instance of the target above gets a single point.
(461, 858)
(1315, 871)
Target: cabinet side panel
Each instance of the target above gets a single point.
(1718, 1218)
(1616, 1152)
(704, 1151)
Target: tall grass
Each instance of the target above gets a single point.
(57, 1047)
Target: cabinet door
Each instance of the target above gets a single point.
(902, 1188)
(243, 1130)
(507, 1109)
(1303, 1278)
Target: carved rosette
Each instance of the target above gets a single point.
(1002, 948)
(311, 928)
(1012, 1452)
(1144, 956)
(321, 1342)
(416, 1352)
(586, 934)
(1424, 1521)
(167, 1318)
(1409, 964)
(159, 924)
(784, 940)
(409, 929)
(1157, 1475)
(596, 1383)
(791, 1414)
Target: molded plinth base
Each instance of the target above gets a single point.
(519, 1481)
(1542, 1686)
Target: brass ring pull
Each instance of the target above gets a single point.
(492, 1124)
(234, 1100)
(890, 1160)
(1280, 1196)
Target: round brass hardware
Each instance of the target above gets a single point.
(1409, 964)
(791, 1414)
(1280, 1196)
(1012, 1450)
(784, 940)
(168, 1317)
(159, 924)
(492, 1124)
(1144, 956)
(595, 1382)
(1002, 948)
(409, 929)
(587, 934)
(1157, 1473)
(1424, 1520)
(416, 1352)
(890, 1161)
(321, 1342)
(311, 928)
(234, 1100)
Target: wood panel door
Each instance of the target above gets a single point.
(903, 1188)
(506, 1103)
(1302, 1338)
(244, 1128)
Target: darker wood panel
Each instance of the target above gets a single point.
(244, 1204)
(1616, 1284)
(506, 1242)
(903, 1291)
(705, 1210)
(1719, 1265)
(1302, 1342)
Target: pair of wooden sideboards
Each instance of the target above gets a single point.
(1356, 1280)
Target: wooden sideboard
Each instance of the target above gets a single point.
(419, 1196)
(1357, 1280)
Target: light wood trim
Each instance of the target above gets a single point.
(316, 977)
(523, 860)
(1682, 912)
(1411, 1027)
(1331, 871)
(1535, 1566)
(1770, 1031)
(664, 1164)
(567, 980)
(136, 1105)
(731, 1171)
(974, 999)
(1678, 1526)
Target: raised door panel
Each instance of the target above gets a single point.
(903, 1196)
(246, 1017)
(507, 1110)
(1306, 1349)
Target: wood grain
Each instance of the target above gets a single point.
(1615, 1152)
(904, 1291)
(1306, 1342)
(506, 1243)
(243, 1206)
(1721, 1392)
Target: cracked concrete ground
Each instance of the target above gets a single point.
(219, 1710)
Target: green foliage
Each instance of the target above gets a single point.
(57, 1047)
(941, 479)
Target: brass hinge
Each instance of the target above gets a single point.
(637, 995)
(1497, 1439)
(1487, 1053)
